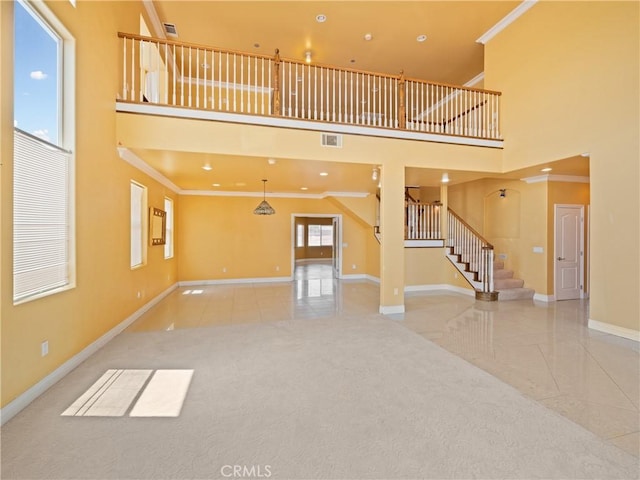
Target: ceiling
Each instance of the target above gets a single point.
(450, 54)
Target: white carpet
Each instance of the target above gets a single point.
(350, 398)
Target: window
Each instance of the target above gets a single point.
(138, 221)
(168, 246)
(320, 235)
(300, 235)
(43, 176)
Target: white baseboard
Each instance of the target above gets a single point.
(544, 298)
(440, 287)
(614, 330)
(14, 407)
(391, 309)
(373, 279)
(223, 281)
(353, 276)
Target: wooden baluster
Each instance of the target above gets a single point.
(276, 84)
(402, 116)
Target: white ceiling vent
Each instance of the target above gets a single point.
(331, 140)
(170, 29)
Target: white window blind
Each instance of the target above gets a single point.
(168, 246)
(138, 201)
(42, 222)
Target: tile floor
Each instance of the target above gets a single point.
(543, 350)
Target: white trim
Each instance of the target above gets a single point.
(353, 276)
(223, 281)
(477, 79)
(556, 178)
(614, 330)
(544, 298)
(391, 309)
(22, 401)
(135, 161)
(371, 278)
(158, 30)
(315, 196)
(424, 243)
(506, 21)
(248, 119)
(440, 287)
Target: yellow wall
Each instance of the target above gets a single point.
(106, 292)
(570, 77)
(429, 266)
(217, 233)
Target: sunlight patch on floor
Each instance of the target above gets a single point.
(113, 393)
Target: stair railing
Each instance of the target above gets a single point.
(472, 248)
(422, 221)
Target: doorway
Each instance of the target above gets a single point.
(569, 252)
(316, 245)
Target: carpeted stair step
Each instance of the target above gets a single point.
(507, 283)
(498, 265)
(500, 274)
(515, 294)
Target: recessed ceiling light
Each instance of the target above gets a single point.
(421, 38)
(272, 161)
(207, 167)
(216, 184)
(321, 18)
(445, 178)
(368, 36)
(585, 154)
(307, 56)
(547, 169)
(323, 174)
(304, 188)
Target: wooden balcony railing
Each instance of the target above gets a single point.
(170, 73)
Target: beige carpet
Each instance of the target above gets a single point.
(348, 398)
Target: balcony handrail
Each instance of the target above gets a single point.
(191, 75)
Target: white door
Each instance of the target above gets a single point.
(569, 241)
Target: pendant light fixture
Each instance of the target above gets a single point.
(264, 208)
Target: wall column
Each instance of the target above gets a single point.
(444, 218)
(392, 245)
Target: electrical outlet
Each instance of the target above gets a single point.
(395, 291)
(224, 269)
(353, 267)
(139, 294)
(44, 348)
(277, 268)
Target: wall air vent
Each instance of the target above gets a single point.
(170, 29)
(331, 140)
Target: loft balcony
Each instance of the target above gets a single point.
(164, 77)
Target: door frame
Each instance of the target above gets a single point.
(581, 274)
(336, 253)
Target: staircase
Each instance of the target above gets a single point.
(509, 288)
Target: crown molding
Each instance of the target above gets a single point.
(556, 178)
(135, 161)
(506, 21)
(311, 196)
